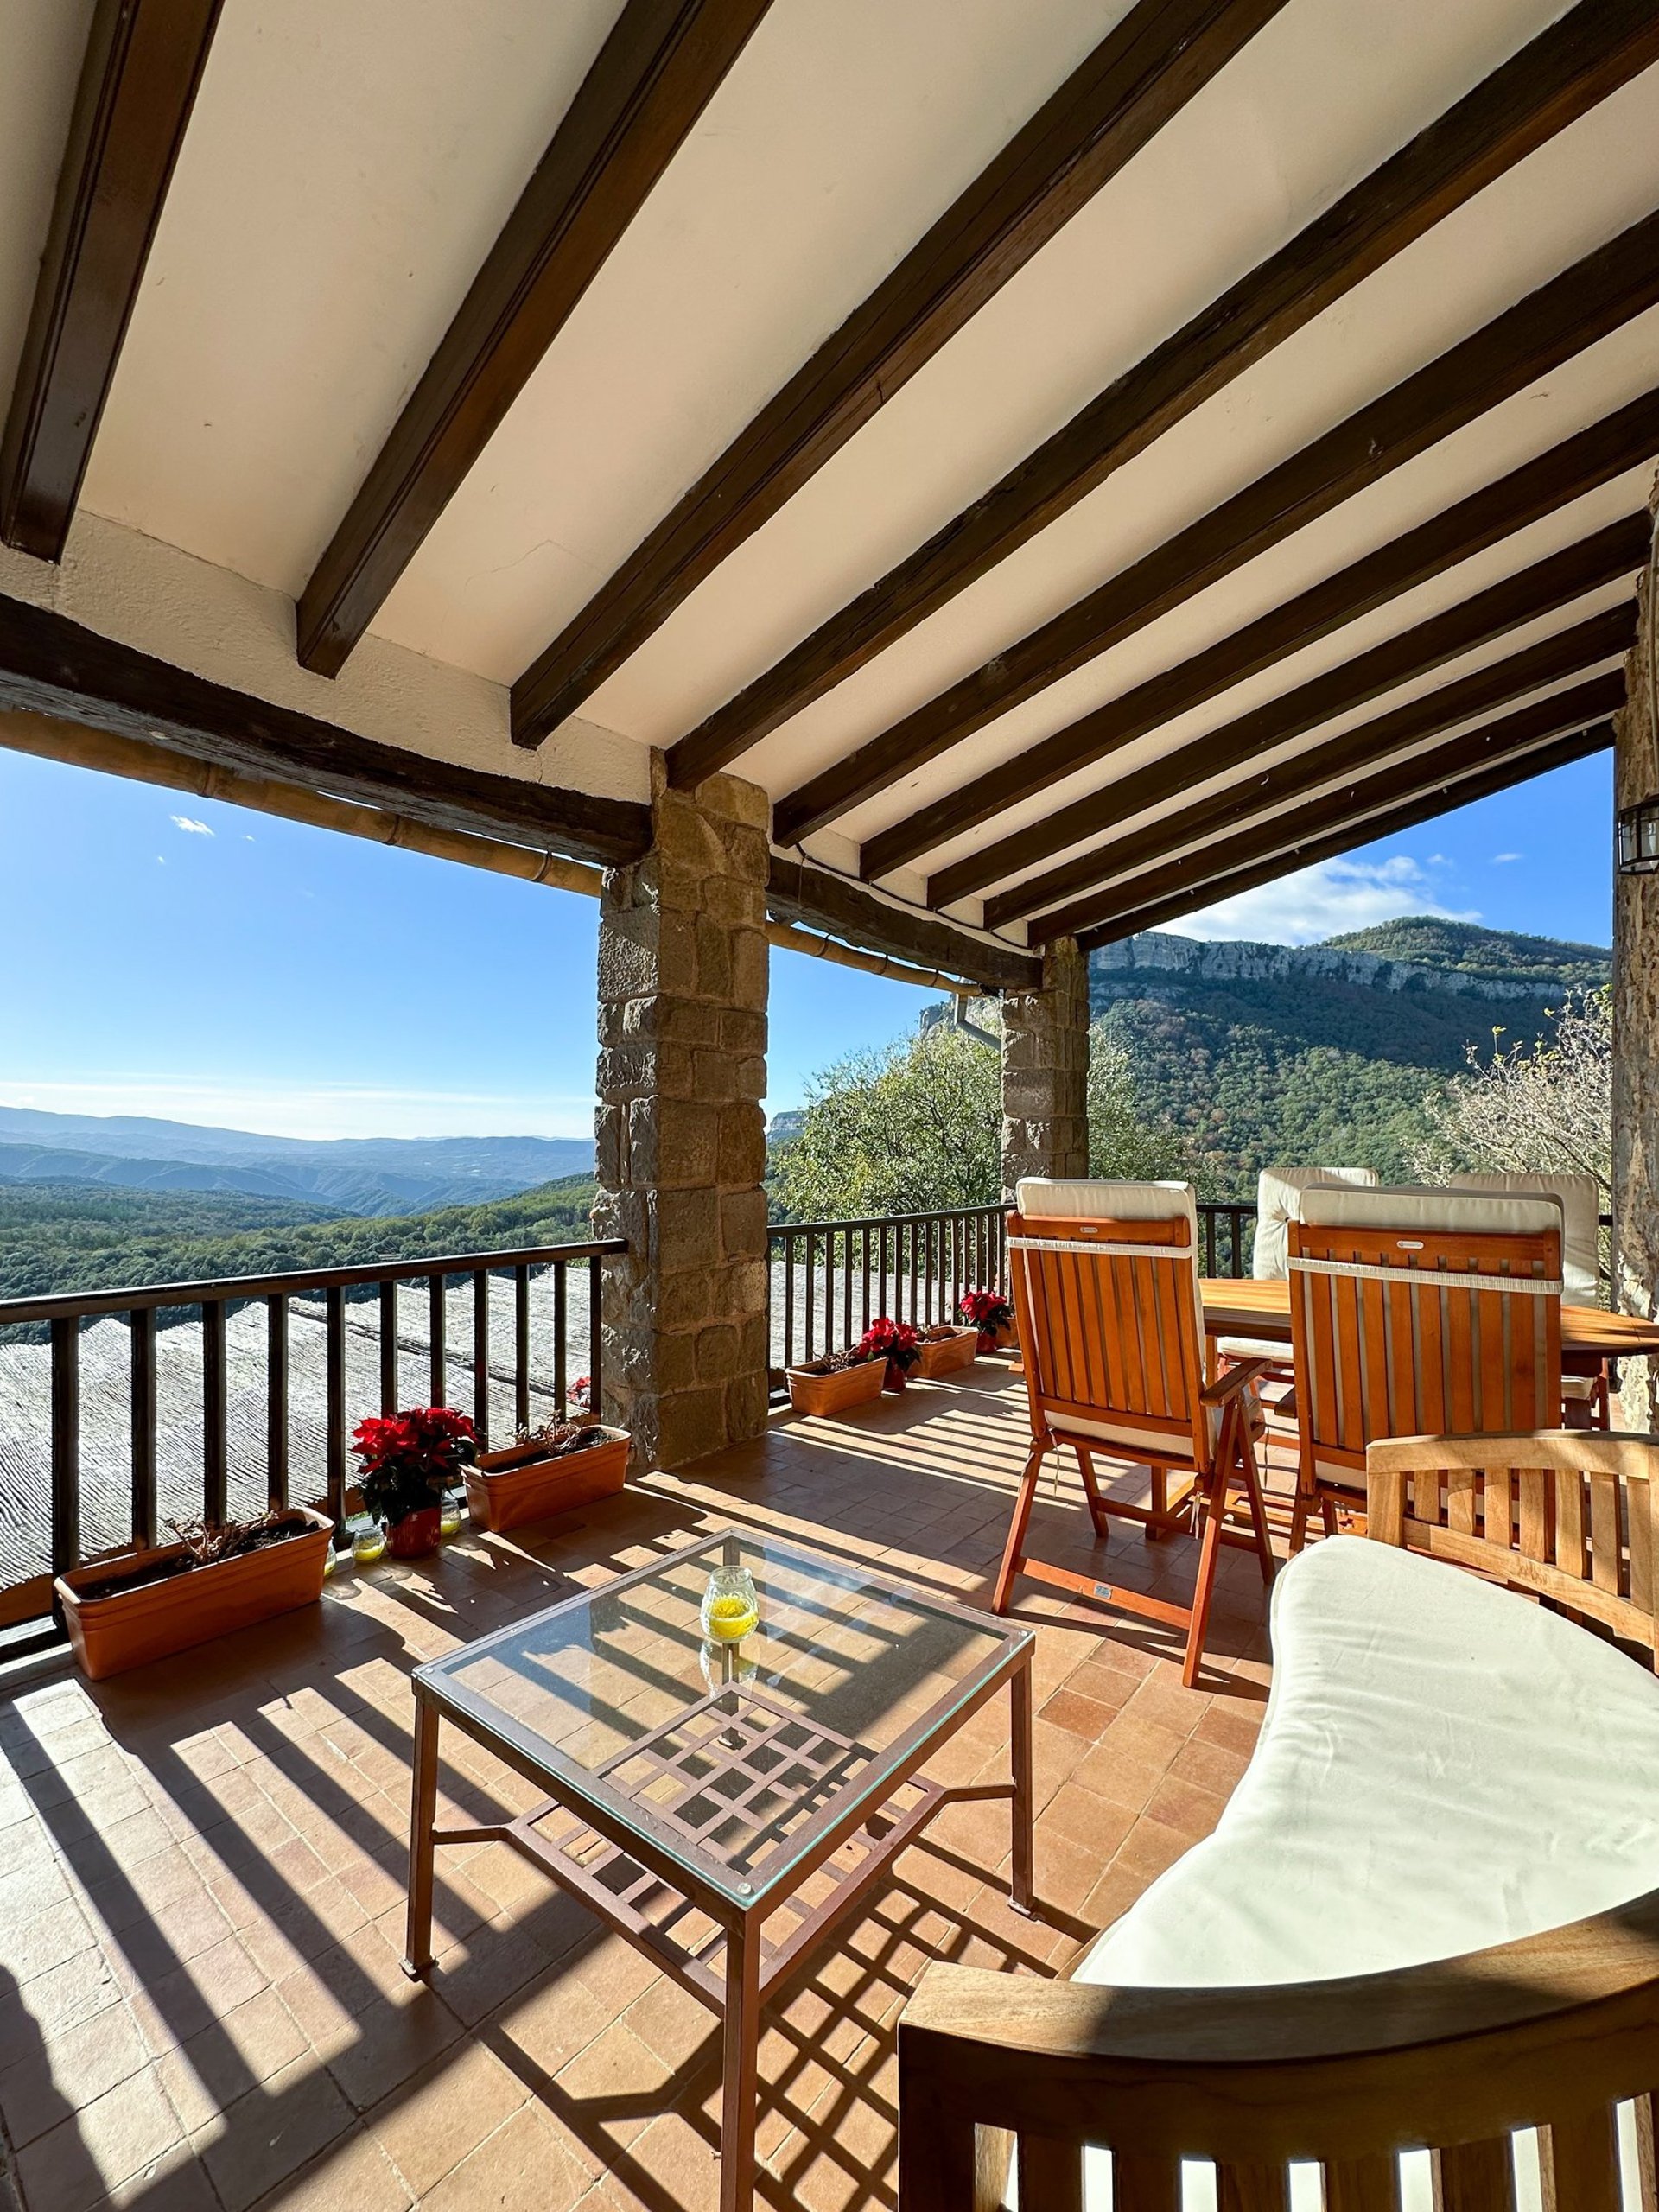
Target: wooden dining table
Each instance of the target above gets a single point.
(1245, 1307)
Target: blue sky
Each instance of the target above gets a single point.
(178, 957)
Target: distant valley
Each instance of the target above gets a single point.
(367, 1176)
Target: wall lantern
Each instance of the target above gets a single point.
(1637, 849)
(1638, 838)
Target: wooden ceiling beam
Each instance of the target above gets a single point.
(797, 890)
(1568, 653)
(1140, 74)
(138, 81)
(1602, 558)
(1564, 317)
(1578, 61)
(1310, 849)
(50, 666)
(661, 64)
(1223, 828)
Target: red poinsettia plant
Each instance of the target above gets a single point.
(409, 1459)
(988, 1311)
(897, 1343)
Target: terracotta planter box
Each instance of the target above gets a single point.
(812, 1393)
(943, 1355)
(153, 1620)
(508, 1487)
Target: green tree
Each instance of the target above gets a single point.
(918, 1126)
(914, 1126)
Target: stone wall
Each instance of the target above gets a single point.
(1636, 1012)
(681, 1138)
(1046, 1070)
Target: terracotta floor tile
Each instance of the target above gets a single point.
(1234, 1727)
(221, 2064)
(82, 2160)
(1150, 1847)
(81, 1987)
(238, 1845)
(526, 2165)
(1212, 1766)
(354, 2174)
(263, 2138)
(1185, 1807)
(390, 2041)
(542, 2028)
(441, 2115)
(37, 1942)
(69, 2070)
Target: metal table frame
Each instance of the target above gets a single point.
(737, 1989)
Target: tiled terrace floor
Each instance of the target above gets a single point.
(201, 1872)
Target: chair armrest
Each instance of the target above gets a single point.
(1236, 1379)
(1166, 2073)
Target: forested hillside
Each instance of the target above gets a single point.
(69, 1236)
(1465, 949)
(1266, 1054)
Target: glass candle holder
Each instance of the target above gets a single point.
(449, 1519)
(369, 1544)
(731, 1609)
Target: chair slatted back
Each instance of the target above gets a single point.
(1401, 1331)
(1109, 1330)
(1567, 1513)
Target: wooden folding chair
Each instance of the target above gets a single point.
(1417, 1313)
(1106, 1289)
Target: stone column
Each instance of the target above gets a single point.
(681, 1137)
(1046, 1070)
(1635, 1014)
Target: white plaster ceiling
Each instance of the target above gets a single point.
(346, 169)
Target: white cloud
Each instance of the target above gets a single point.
(195, 829)
(1500, 858)
(1321, 902)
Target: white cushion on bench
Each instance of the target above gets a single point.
(1443, 1766)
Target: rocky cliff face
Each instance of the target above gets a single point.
(1124, 969)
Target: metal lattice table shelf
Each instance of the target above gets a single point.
(736, 1829)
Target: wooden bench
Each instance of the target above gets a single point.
(1428, 1919)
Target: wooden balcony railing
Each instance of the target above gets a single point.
(831, 1279)
(254, 1404)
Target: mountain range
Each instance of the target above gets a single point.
(370, 1176)
(1322, 1054)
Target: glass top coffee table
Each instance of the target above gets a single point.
(724, 1804)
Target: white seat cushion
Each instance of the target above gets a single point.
(1277, 1190)
(1254, 1348)
(1443, 1766)
(1414, 1205)
(1582, 1234)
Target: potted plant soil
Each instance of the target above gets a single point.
(944, 1350)
(409, 1460)
(549, 1469)
(897, 1343)
(218, 1577)
(835, 1381)
(991, 1315)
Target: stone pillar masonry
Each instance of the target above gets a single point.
(1636, 1012)
(1046, 1070)
(681, 1137)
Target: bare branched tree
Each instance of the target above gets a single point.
(1533, 1109)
